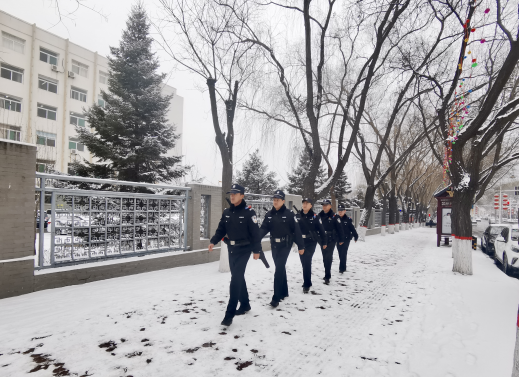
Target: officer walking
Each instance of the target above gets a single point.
(284, 229)
(312, 233)
(349, 231)
(334, 231)
(239, 223)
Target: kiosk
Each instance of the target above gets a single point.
(444, 201)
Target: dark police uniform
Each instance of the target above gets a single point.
(349, 231)
(312, 233)
(239, 223)
(334, 231)
(284, 229)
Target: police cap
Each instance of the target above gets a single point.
(235, 188)
(306, 199)
(326, 202)
(279, 194)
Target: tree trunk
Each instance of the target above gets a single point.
(392, 208)
(365, 213)
(461, 231)
(383, 216)
(227, 181)
(224, 259)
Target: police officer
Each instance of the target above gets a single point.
(284, 229)
(334, 231)
(312, 233)
(239, 223)
(349, 231)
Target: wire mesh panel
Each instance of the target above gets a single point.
(88, 225)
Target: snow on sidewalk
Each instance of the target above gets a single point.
(399, 310)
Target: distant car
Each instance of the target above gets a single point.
(487, 241)
(506, 249)
(479, 220)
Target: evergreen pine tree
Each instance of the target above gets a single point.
(131, 135)
(295, 185)
(254, 176)
(342, 187)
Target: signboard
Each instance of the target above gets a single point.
(444, 203)
(446, 221)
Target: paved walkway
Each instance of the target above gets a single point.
(399, 311)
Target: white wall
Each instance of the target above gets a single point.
(31, 95)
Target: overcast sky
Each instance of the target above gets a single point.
(89, 29)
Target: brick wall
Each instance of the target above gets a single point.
(17, 206)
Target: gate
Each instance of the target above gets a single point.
(89, 225)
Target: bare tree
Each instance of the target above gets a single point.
(321, 84)
(201, 36)
(490, 106)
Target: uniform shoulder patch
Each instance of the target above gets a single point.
(296, 219)
(339, 220)
(320, 221)
(254, 219)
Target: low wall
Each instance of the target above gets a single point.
(17, 206)
(80, 274)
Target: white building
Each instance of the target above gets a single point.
(46, 82)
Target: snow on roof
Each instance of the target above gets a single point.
(17, 142)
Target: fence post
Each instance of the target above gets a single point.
(41, 252)
(185, 223)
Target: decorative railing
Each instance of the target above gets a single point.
(88, 225)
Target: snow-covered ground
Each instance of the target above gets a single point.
(399, 311)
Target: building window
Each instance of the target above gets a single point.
(80, 68)
(44, 167)
(48, 112)
(103, 77)
(13, 43)
(11, 134)
(78, 94)
(9, 103)
(45, 139)
(75, 145)
(77, 119)
(100, 101)
(48, 56)
(48, 84)
(11, 73)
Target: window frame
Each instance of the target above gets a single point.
(105, 75)
(6, 132)
(4, 98)
(11, 69)
(81, 93)
(47, 110)
(102, 103)
(80, 66)
(78, 117)
(47, 82)
(48, 54)
(47, 137)
(77, 145)
(14, 40)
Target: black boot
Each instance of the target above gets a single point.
(227, 322)
(274, 303)
(305, 290)
(327, 281)
(243, 309)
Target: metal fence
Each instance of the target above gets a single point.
(377, 218)
(89, 225)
